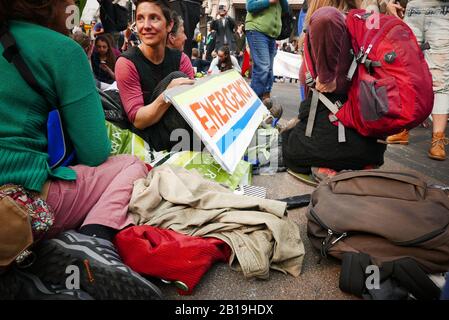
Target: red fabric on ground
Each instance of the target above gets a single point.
(169, 255)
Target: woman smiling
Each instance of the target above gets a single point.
(144, 72)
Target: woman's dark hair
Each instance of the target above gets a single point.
(225, 64)
(110, 60)
(163, 4)
(41, 12)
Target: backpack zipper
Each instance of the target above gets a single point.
(376, 37)
(326, 244)
(421, 239)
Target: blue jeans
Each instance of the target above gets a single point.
(263, 51)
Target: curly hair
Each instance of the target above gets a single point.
(35, 11)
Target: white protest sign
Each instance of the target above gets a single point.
(287, 65)
(223, 111)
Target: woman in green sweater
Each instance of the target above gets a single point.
(92, 196)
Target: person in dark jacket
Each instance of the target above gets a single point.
(240, 42)
(210, 42)
(225, 28)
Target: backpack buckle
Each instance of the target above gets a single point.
(309, 80)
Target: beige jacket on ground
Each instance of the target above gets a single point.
(256, 230)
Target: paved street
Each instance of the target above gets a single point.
(317, 281)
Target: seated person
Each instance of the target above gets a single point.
(200, 64)
(103, 60)
(224, 62)
(144, 72)
(177, 39)
(330, 47)
(92, 196)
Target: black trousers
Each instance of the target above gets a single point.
(190, 12)
(300, 153)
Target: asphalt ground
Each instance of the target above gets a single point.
(318, 281)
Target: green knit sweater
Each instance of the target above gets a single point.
(267, 21)
(61, 67)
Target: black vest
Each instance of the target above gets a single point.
(154, 79)
(151, 74)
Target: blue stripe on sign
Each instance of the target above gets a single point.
(229, 137)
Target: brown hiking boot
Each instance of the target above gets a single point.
(399, 138)
(266, 95)
(437, 150)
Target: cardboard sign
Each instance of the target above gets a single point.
(223, 111)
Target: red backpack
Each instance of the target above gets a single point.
(391, 86)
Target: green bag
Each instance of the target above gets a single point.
(126, 142)
(206, 165)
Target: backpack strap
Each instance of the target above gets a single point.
(397, 279)
(318, 96)
(12, 55)
(412, 277)
(352, 274)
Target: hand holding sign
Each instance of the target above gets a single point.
(179, 82)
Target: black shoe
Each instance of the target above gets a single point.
(9, 285)
(19, 285)
(102, 272)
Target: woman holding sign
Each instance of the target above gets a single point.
(144, 72)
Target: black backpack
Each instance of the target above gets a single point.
(287, 24)
(114, 16)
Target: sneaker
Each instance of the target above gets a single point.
(9, 285)
(321, 174)
(305, 178)
(102, 273)
(19, 285)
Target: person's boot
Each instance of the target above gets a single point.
(101, 271)
(437, 150)
(399, 138)
(266, 95)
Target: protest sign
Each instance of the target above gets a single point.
(223, 111)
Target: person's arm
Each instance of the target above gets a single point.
(235, 64)
(232, 24)
(213, 25)
(80, 106)
(108, 70)
(254, 6)
(327, 30)
(213, 65)
(186, 66)
(128, 82)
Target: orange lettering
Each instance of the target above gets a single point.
(221, 98)
(232, 101)
(212, 115)
(204, 120)
(240, 92)
(245, 88)
(217, 108)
